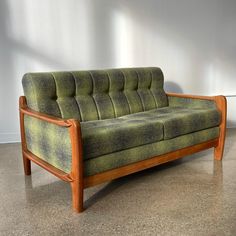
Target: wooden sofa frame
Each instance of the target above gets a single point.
(75, 177)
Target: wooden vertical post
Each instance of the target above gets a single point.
(77, 184)
(26, 161)
(221, 103)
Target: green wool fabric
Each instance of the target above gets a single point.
(132, 155)
(52, 144)
(49, 142)
(112, 135)
(190, 102)
(125, 117)
(177, 121)
(95, 94)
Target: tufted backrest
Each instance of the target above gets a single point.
(95, 94)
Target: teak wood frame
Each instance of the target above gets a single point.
(76, 178)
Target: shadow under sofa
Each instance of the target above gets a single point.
(88, 127)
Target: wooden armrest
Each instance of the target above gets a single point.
(180, 95)
(41, 116)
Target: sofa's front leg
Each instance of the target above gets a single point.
(222, 106)
(77, 196)
(77, 184)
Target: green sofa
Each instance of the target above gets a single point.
(87, 127)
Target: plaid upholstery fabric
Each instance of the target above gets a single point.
(49, 142)
(97, 94)
(190, 102)
(54, 147)
(178, 121)
(124, 116)
(111, 135)
(132, 155)
(52, 143)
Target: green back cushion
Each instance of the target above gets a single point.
(96, 94)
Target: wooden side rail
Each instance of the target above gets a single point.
(221, 104)
(76, 178)
(181, 95)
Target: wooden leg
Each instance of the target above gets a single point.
(77, 196)
(219, 150)
(26, 161)
(77, 185)
(27, 165)
(221, 103)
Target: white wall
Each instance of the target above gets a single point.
(192, 41)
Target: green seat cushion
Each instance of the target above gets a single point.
(54, 146)
(132, 155)
(112, 135)
(178, 121)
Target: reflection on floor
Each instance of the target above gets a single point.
(191, 196)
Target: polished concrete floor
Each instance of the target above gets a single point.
(191, 196)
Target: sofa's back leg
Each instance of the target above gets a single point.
(222, 106)
(27, 165)
(26, 161)
(219, 149)
(77, 196)
(218, 152)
